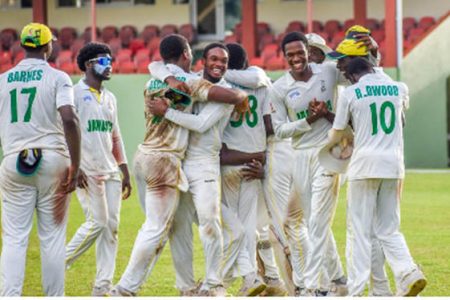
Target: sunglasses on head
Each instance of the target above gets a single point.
(103, 61)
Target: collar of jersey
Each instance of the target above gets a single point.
(32, 61)
(174, 69)
(369, 77)
(314, 68)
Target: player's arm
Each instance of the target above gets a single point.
(252, 77)
(160, 71)
(342, 118)
(118, 151)
(236, 158)
(66, 108)
(282, 127)
(73, 139)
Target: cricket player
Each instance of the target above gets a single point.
(158, 160)
(41, 146)
(103, 154)
(314, 194)
(375, 105)
(318, 48)
(207, 125)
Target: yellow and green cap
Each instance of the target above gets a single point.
(348, 47)
(35, 35)
(357, 29)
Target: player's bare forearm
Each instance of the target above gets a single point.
(268, 125)
(72, 133)
(330, 117)
(224, 95)
(236, 158)
(126, 181)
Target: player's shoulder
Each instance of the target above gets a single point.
(403, 87)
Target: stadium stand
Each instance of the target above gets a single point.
(133, 50)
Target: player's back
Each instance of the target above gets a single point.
(376, 105)
(30, 96)
(246, 132)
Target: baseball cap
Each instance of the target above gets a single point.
(357, 29)
(317, 41)
(335, 157)
(348, 47)
(35, 35)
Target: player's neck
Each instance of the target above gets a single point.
(304, 75)
(93, 82)
(35, 55)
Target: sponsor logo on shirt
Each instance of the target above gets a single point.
(87, 98)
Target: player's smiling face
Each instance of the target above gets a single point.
(296, 54)
(215, 64)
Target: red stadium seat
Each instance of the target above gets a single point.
(332, 26)
(317, 26)
(168, 29)
(16, 48)
(77, 45)
(149, 32)
(65, 56)
(189, 32)
(198, 66)
(5, 57)
(67, 35)
(378, 35)
(153, 45)
(348, 23)
(87, 34)
(372, 24)
(67, 67)
(324, 35)
(275, 63)
(414, 34)
(5, 67)
(136, 45)
(123, 55)
(7, 38)
(115, 45)
(238, 31)
(126, 67)
(18, 57)
(127, 34)
(426, 22)
(109, 32)
(408, 23)
(142, 66)
(55, 52)
(257, 61)
(145, 52)
(262, 28)
(265, 39)
(268, 52)
(156, 56)
(295, 26)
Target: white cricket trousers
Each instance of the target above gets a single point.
(241, 197)
(311, 209)
(373, 208)
(205, 194)
(100, 202)
(161, 176)
(21, 197)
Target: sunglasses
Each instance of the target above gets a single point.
(103, 61)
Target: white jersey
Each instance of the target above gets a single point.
(246, 132)
(206, 124)
(30, 95)
(163, 135)
(290, 99)
(375, 105)
(100, 130)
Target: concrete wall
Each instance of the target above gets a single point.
(278, 13)
(426, 70)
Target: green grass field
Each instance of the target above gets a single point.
(425, 224)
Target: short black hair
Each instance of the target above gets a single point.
(212, 46)
(293, 37)
(238, 59)
(90, 51)
(358, 65)
(172, 47)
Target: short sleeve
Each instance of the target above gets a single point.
(342, 116)
(64, 90)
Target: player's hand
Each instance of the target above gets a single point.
(82, 180)
(126, 187)
(158, 106)
(366, 40)
(70, 182)
(253, 170)
(242, 107)
(179, 85)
